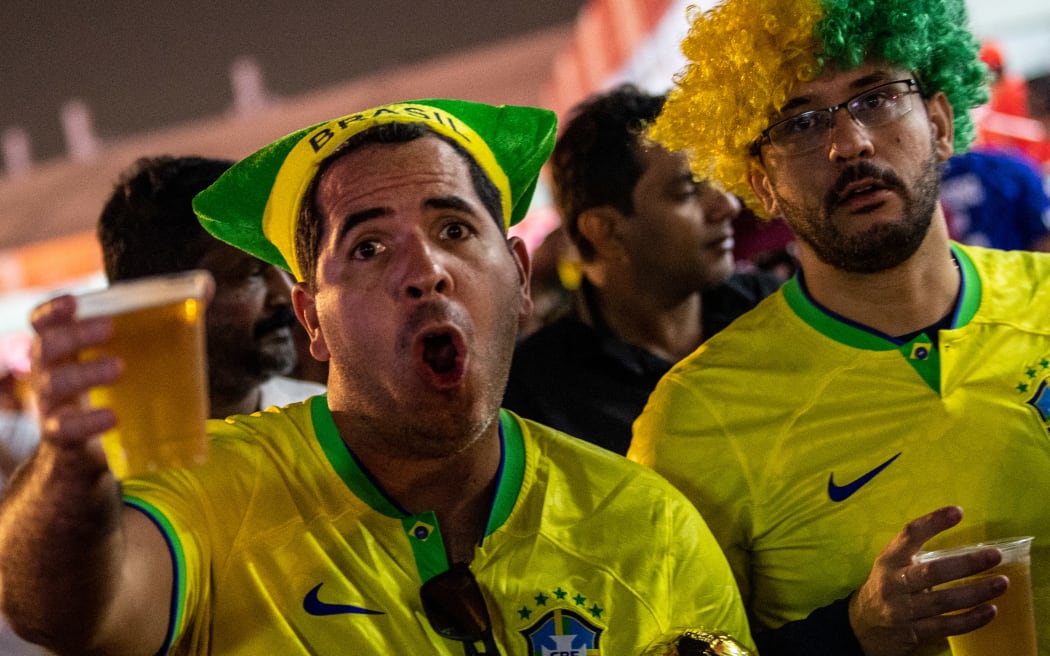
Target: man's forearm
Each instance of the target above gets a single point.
(60, 549)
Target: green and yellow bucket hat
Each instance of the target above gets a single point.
(255, 205)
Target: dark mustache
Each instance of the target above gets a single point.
(431, 312)
(861, 171)
(282, 317)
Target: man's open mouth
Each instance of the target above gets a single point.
(440, 353)
(441, 356)
(860, 191)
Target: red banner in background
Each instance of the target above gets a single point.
(608, 35)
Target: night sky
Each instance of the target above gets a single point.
(140, 65)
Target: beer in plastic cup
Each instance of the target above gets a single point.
(161, 399)
(1013, 629)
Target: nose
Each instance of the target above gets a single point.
(849, 139)
(423, 270)
(719, 206)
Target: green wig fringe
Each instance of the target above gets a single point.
(745, 56)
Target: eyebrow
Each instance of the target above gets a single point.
(357, 218)
(439, 203)
(858, 85)
(449, 203)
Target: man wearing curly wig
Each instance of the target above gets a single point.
(900, 379)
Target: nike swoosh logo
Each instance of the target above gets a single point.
(842, 492)
(314, 606)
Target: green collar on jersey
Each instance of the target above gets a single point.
(422, 529)
(918, 351)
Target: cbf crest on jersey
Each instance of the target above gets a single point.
(1036, 383)
(1041, 402)
(563, 632)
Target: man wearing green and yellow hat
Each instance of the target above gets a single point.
(402, 513)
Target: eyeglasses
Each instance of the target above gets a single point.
(456, 609)
(808, 131)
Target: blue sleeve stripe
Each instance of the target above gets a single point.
(178, 564)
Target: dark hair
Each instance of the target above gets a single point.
(310, 228)
(595, 160)
(147, 226)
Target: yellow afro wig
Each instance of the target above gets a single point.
(745, 56)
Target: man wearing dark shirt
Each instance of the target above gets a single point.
(656, 252)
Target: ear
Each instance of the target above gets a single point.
(520, 253)
(305, 305)
(600, 226)
(942, 123)
(763, 188)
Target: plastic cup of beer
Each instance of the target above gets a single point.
(1013, 630)
(161, 399)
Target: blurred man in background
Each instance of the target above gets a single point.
(655, 249)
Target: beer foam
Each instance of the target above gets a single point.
(130, 295)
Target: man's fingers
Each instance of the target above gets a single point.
(66, 383)
(960, 597)
(61, 380)
(58, 342)
(919, 530)
(957, 624)
(915, 534)
(72, 428)
(60, 309)
(934, 572)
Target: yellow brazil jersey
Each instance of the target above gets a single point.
(807, 442)
(283, 544)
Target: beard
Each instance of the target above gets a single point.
(432, 424)
(880, 247)
(275, 353)
(239, 361)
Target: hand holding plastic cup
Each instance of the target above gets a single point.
(1013, 630)
(161, 400)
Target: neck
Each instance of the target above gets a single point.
(906, 298)
(668, 327)
(458, 487)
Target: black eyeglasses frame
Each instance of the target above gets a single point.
(765, 136)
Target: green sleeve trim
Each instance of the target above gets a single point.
(178, 563)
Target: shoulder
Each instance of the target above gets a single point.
(1030, 267)
(759, 325)
(246, 452)
(597, 472)
(1011, 281)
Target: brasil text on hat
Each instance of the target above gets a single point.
(255, 205)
